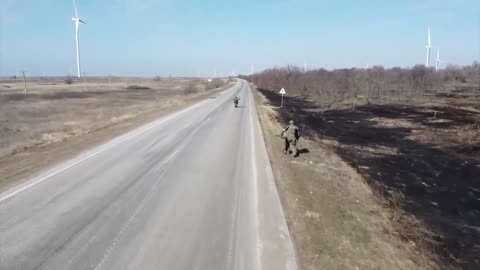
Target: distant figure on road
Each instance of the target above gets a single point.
(291, 135)
(235, 101)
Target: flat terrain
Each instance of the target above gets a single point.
(386, 186)
(55, 120)
(192, 190)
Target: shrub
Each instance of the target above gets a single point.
(190, 89)
(68, 80)
(217, 83)
(137, 87)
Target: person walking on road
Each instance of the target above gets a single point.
(290, 134)
(235, 101)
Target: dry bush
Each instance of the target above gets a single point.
(190, 89)
(68, 80)
(209, 85)
(469, 134)
(373, 85)
(217, 83)
(396, 200)
(137, 87)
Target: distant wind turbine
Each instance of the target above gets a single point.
(76, 20)
(429, 47)
(437, 62)
(305, 67)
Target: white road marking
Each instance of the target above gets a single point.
(170, 157)
(255, 180)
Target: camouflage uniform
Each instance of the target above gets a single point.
(291, 135)
(235, 101)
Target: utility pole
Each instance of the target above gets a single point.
(16, 78)
(85, 81)
(24, 81)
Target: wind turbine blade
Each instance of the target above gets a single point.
(75, 6)
(82, 21)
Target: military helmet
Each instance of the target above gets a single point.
(291, 122)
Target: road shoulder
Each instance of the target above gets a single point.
(275, 245)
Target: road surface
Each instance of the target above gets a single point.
(193, 190)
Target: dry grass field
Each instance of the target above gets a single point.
(53, 113)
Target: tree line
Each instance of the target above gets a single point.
(354, 85)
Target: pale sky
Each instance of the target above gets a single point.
(193, 37)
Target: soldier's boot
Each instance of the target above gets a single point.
(293, 148)
(295, 151)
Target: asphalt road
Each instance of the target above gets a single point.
(193, 190)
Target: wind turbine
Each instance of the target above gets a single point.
(429, 47)
(76, 20)
(437, 62)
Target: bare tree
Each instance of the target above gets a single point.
(373, 85)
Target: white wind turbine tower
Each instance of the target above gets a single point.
(76, 20)
(437, 61)
(429, 47)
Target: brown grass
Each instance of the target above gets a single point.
(53, 113)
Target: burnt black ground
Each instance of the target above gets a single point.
(441, 188)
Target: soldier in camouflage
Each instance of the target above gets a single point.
(291, 135)
(235, 101)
